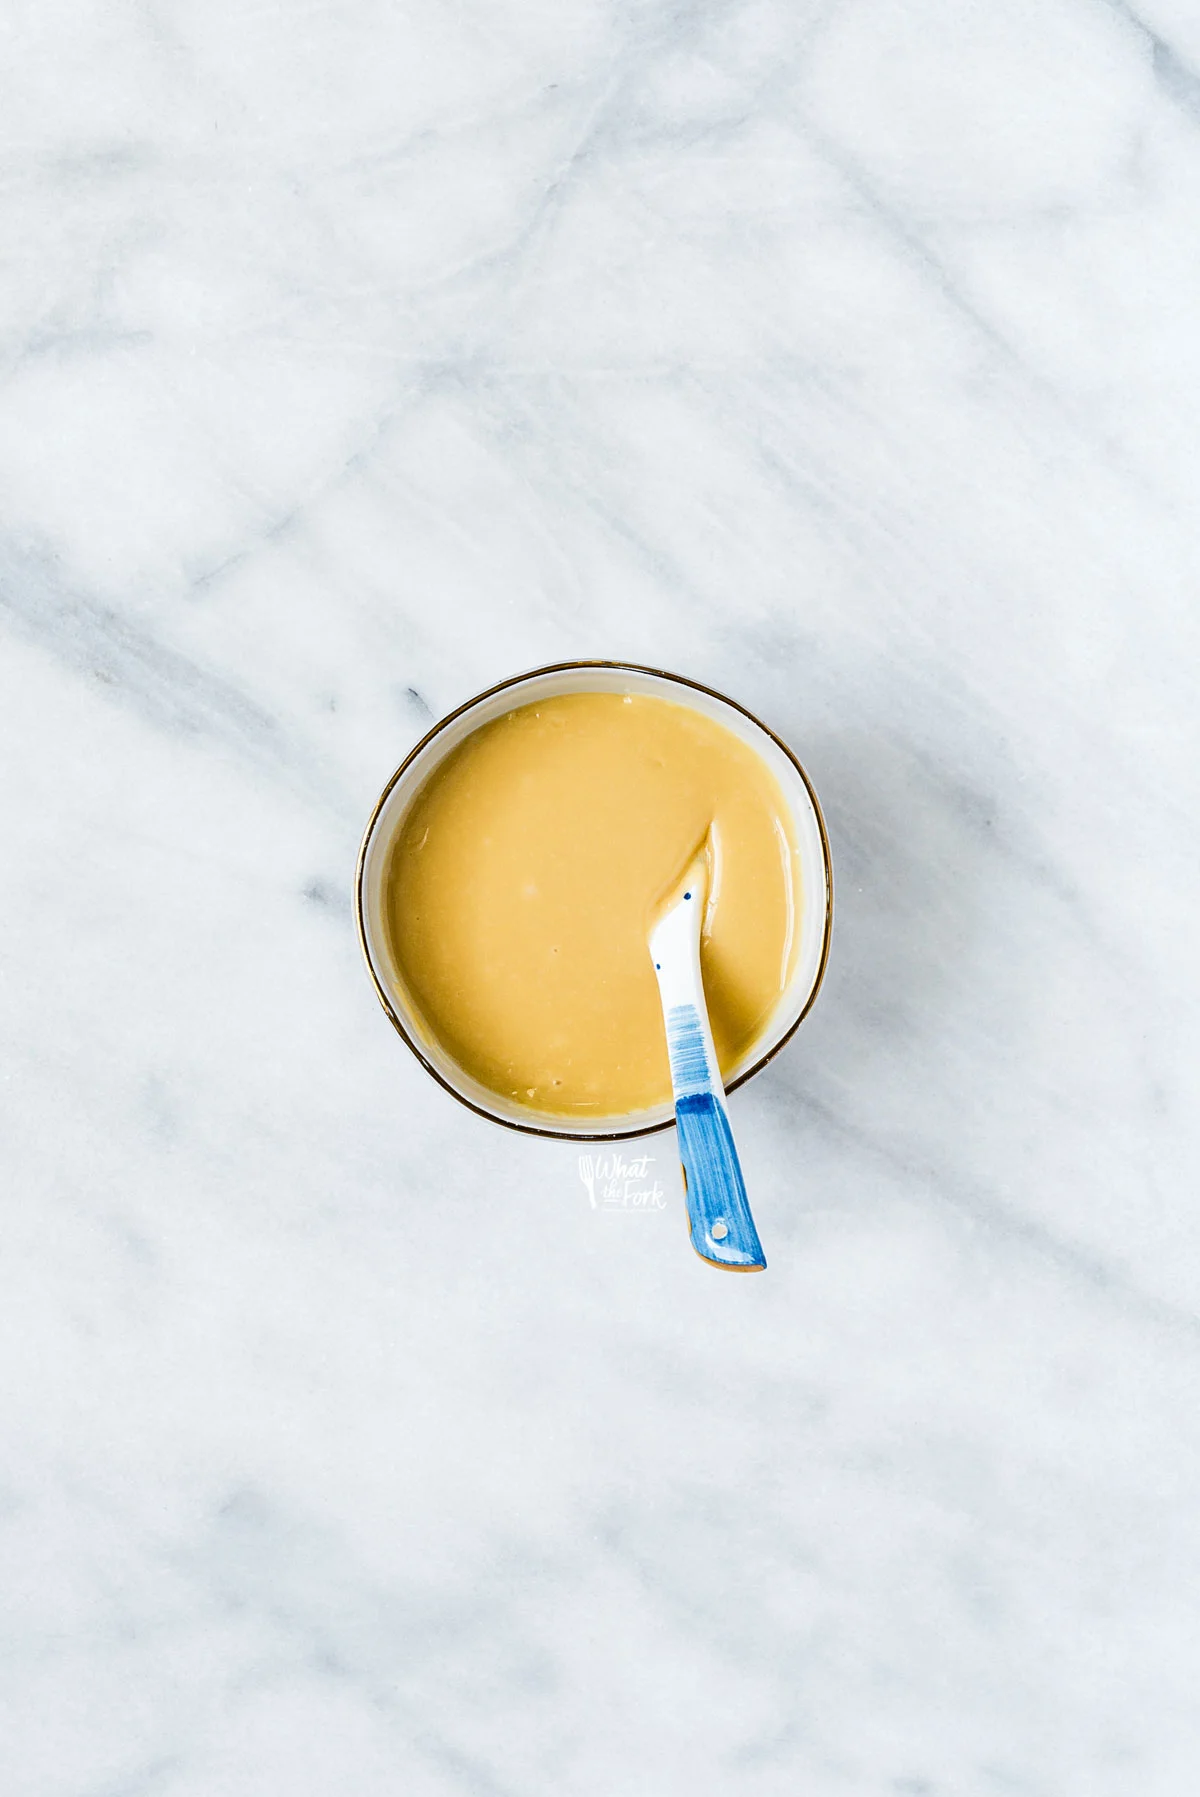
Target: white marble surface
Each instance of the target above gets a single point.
(355, 356)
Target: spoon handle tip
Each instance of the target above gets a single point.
(722, 1227)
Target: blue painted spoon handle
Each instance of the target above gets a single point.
(718, 1210)
(722, 1227)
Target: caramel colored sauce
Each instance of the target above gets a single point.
(525, 877)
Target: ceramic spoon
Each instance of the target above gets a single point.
(722, 1228)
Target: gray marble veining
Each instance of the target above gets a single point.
(846, 357)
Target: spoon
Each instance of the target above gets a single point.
(719, 1219)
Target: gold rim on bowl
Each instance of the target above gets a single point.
(384, 997)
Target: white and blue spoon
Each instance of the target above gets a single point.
(722, 1228)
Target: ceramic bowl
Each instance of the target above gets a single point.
(543, 683)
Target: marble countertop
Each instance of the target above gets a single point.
(846, 358)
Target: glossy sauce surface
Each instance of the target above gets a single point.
(525, 877)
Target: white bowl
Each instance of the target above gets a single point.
(816, 874)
